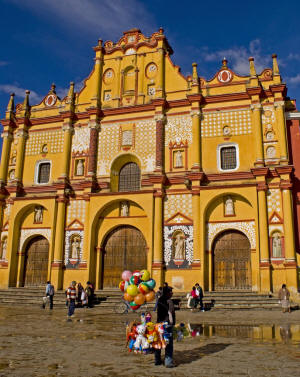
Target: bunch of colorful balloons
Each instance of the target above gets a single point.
(137, 287)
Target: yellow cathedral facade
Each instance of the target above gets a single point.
(188, 177)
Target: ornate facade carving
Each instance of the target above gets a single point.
(144, 147)
(178, 128)
(53, 139)
(246, 227)
(178, 203)
(26, 233)
(81, 139)
(168, 242)
(239, 123)
(76, 210)
(70, 234)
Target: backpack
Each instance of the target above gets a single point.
(51, 290)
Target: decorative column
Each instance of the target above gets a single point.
(196, 148)
(68, 132)
(265, 273)
(22, 135)
(160, 90)
(257, 126)
(57, 264)
(196, 229)
(289, 233)
(280, 120)
(99, 260)
(86, 242)
(7, 139)
(92, 166)
(97, 77)
(160, 120)
(158, 258)
(141, 94)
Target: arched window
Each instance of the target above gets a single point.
(42, 172)
(129, 177)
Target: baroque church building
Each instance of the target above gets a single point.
(195, 179)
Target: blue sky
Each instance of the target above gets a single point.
(46, 41)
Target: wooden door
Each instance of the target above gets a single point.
(36, 262)
(125, 249)
(232, 261)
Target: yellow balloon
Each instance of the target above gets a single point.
(145, 275)
(132, 290)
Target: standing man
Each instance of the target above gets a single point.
(50, 294)
(199, 296)
(166, 313)
(89, 290)
(71, 297)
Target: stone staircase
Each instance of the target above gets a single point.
(106, 299)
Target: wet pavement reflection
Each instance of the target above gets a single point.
(43, 343)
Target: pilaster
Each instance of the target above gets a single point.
(282, 137)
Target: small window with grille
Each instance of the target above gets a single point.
(130, 177)
(228, 158)
(43, 172)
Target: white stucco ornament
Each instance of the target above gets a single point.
(26, 233)
(246, 227)
(81, 140)
(188, 231)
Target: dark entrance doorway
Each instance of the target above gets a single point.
(36, 262)
(125, 248)
(232, 261)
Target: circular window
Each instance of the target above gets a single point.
(151, 70)
(108, 76)
(50, 100)
(224, 76)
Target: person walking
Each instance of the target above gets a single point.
(89, 290)
(193, 301)
(199, 296)
(71, 297)
(158, 294)
(166, 313)
(49, 295)
(80, 289)
(284, 297)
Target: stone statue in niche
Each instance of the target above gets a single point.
(179, 253)
(277, 247)
(124, 209)
(38, 214)
(229, 207)
(80, 167)
(178, 159)
(12, 175)
(75, 248)
(3, 248)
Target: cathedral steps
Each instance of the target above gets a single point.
(106, 299)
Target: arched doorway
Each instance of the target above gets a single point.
(36, 261)
(232, 261)
(125, 248)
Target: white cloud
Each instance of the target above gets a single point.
(105, 17)
(19, 92)
(294, 80)
(238, 57)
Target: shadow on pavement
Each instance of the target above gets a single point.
(188, 356)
